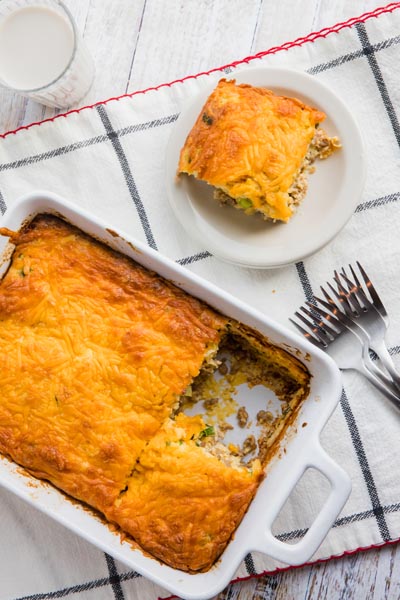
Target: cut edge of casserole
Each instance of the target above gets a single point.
(256, 149)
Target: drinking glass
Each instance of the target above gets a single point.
(42, 55)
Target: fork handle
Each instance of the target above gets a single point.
(382, 387)
(384, 356)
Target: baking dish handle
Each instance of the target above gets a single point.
(301, 552)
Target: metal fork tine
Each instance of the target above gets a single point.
(359, 286)
(338, 296)
(345, 321)
(342, 298)
(349, 301)
(329, 317)
(318, 326)
(356, 280)
(323, 327)
(314, 328)
(334, 306)
(330, 305)
(372, 291)
(343, 271)
(328, 298)
(355, 290)
(346, 280)
(332, 319)
(308, 335)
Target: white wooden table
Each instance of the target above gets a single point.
(141, 43)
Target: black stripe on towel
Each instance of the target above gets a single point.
(37, 158)
(80, 588)
(130, 182)
(345, 58)
(389, 199)
(148, 125)
(188, 260)
(369, 52)
(98, 139)
(3, 205)
(366, 471)
(305, 282)
(348, 519)
(115, 579)
(249, 563)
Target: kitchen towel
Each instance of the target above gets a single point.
(109, 159)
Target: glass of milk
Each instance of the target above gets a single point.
(42, 55)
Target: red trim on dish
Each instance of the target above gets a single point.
(310, 38)
(307, 564)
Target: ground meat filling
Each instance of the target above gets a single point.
(242, 416)
(264, 417)
(320, 147)
(236, 362)
(249, 445)
(208, 404)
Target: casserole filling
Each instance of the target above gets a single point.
(103, 360)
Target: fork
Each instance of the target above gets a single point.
(370, 316)
(346, 320)
(344, 345)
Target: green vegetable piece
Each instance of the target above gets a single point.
(244, 202)
(209, 430)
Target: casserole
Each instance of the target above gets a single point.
(103, 360)
(249, 535)
(255, 148)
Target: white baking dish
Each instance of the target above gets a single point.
(302, 448)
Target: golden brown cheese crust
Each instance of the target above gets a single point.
(96, 351)
(250, 143)
(183, 504)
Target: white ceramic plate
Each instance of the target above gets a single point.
(334, 189)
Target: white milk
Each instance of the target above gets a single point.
(36, 45)
(40, 55)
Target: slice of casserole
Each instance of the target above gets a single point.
(98, 355)
(255, 148)
(185, 499)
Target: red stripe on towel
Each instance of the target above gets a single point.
(310, 38)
